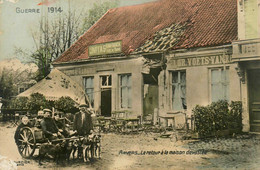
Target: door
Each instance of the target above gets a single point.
(106, 102)
(150, 100)
(254, 100)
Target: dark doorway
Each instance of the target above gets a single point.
(106, 102)
(254, 99)
(150, 96)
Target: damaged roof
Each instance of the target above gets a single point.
(160, 25)
(56, 85)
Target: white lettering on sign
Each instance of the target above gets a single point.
(200, 61)
(105, 48)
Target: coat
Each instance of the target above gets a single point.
(49, 127)
(87, 124)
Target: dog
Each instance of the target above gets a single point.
(87, 148)
(60, 151)
(77, 147)
(67, 150)
(54, 150)
(97, 146)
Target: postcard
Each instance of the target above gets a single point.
(129, 84)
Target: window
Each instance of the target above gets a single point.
(219, 84)
(89, 89)
(21, 90)
(106, 81)
(178, 85)
(126, 90)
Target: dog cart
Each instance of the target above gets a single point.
(29, 137)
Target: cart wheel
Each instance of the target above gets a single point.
(26, 142)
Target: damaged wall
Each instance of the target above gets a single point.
(130, 65)
(198, 80)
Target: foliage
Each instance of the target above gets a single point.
(219, 111)
(97, 12)
(65, 104)
(235, 115)
(203, 120)
(7, 87)
(217, 116)
(19, 103)
(37, 102)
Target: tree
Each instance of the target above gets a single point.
(53, 38)
(56, 35)
(95, 13)
(65, 104)
(19, 103)
(37, 101)
(7, 87)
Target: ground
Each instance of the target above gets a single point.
(150, 151)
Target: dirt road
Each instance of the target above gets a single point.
(142, 151)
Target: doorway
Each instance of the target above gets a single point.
(254, 99)
(106, 102)
(150, 95)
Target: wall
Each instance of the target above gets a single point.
(115, 67)
(248, 19)
(197, 78)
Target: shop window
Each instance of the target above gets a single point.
(126, 90)
(89, 88)
(219, 84)
(178, 85)
(106, 81)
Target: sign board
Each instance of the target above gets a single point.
(105, 48)
(200, 61)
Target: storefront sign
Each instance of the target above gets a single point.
(200, 61)
(105, 48)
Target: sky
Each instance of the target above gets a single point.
(16, 27)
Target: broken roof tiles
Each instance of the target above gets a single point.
(161, 25)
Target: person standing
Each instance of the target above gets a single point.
(82, 121)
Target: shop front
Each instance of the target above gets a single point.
(247, 56)
(196, 77)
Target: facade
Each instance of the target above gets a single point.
(246, 54)
(111, 85)
(197, 77)
(163, 68)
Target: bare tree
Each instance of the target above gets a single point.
(53, 38)
(56, 35)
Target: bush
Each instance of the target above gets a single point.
(219, 111)
(65, 104)
(217, 116)
(37, 102)
(235, 114)
(203, 120)
(19, 103)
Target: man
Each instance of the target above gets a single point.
(49, 127)
(60, 124)
(83, 121)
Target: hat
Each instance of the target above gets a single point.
(46, 110)
(83, 105)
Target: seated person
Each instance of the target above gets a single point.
(38, 119)
(49, 127)
(61, 125)
(25, 123)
